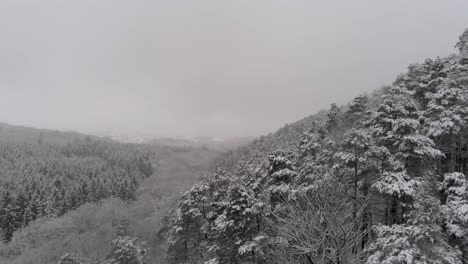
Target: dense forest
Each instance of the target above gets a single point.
(45, 180)
(71, 197)
(381, 180)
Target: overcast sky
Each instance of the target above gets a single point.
(206, 68)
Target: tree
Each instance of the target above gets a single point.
(8, 216)
(70, 259)
(357, 109)
(462, 46)
(189, 230)
(420, 240)
(446, 113)
(332, 124)
(281, 174)
(454, 188)
(315, 157)
(235, 232)
(423, 79)
(318, 227)
(395, 126)
(128, 250)
(357, 161)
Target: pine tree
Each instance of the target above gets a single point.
(446, 113)
(128, 250)
(454, 188)
(333, 116)
(70, 259)
(357, 161)
(462, 45)
(420, 240)
(191, 220)
(20, 204)
(357, 109)
(315, 157)
(281, 175)
(8, 217)
(235, 230)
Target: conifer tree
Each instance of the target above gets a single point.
(357, 109)
(462, 45)
(128, 250)
(454, 188)
(333, 116)
(281, 174)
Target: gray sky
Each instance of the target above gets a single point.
(212, 68)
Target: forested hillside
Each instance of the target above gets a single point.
(47, 180)
(381, 180)
(70, 197)
(22, 134)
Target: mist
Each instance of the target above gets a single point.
(206, 68)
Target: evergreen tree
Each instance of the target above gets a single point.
(357, 109)
(128, 250)
(315, 157)
(333, 117)
(356, 162)
(454, 188)
(70, 259)
(462, 45)
(420, 240)
(8, 216)
(281, 175)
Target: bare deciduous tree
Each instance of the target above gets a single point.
(320, 228)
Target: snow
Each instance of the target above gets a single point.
(396, 183)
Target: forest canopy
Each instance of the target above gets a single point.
(40, 180)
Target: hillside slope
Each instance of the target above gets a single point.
(30, 135)
(89, 230)
(67, 192)
(46, 173)
(381, 180)
(287, 137)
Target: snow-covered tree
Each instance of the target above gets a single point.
(319, 227)
(446, 113)
(8, 216)
(357, 161)
(128, 250)
(315, 157)
(455, 191)
(281, 175)
(423, 79)
(188, 227)
(70, 259)
(236, 229)
(420, 240)
(462, 45)
(357, 109)
(333, 120)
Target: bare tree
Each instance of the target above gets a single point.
(320, 228)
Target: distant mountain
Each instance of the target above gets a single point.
(202, 142)
(23, 134)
